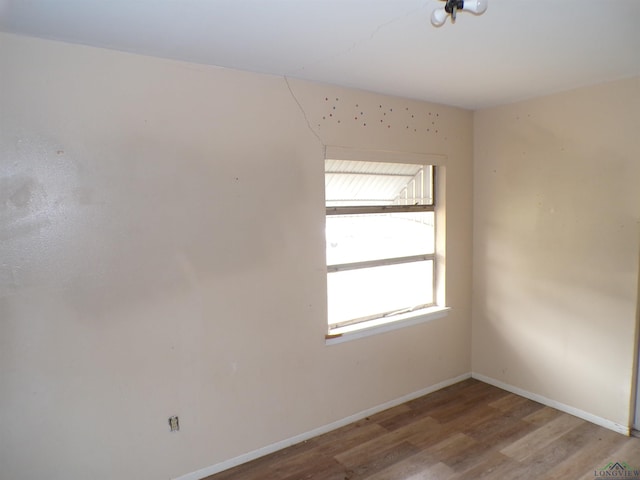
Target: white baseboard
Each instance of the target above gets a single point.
(603, 422)
(247, 457)
(274, 447)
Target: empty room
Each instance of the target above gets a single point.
(328, 239)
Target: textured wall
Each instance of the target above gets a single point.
(162, 253)
(556, 242)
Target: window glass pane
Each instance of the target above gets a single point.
(356, 238)
(369, 291)
(349, 183)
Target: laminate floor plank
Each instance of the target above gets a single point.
(321, 468)
(627, 452)
(444, 396)
(530, 443)
(416, 467)
(602, 443)
(401, 418)
(498, 431)
(474, 415)
(390, 414)
(546, 456)
(483, 467)
(462, 452)
(542, 416)
(476, 395)
(349, 437)
(295, 464)
(517, 406)
(508, 402)
(468, 431)
(367, 451)
(368, 463)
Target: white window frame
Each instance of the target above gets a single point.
(438, 309)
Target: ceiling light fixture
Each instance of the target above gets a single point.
(439, 15)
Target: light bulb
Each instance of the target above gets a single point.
(475, 6)
(438, 17)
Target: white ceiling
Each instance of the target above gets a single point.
(518, 49)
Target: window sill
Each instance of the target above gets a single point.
(381, 325)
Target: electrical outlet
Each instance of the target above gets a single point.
(174, 425)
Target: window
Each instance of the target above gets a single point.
(380, 237)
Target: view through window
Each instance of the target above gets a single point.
(380, 240)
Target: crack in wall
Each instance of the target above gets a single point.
(304, 114)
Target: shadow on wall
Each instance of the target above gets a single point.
(553, 243)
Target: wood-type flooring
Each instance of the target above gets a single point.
(470, 430)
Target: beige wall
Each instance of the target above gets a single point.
(162, 252)
(556, 241)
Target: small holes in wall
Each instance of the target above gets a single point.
(415, 122)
